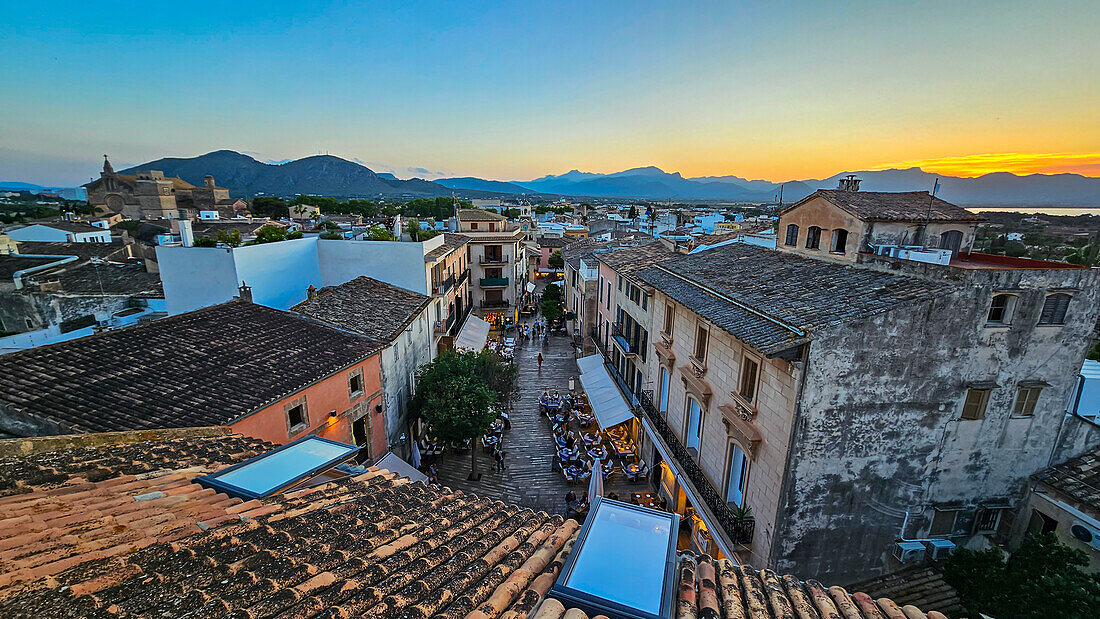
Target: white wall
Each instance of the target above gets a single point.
(400, 264)
(195, 277)
(38, 232)
(279, 273)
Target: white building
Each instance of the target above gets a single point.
(61, 232)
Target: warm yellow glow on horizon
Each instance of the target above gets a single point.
(1086, 164)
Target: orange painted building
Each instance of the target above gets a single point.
(345, 406)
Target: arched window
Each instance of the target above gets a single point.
(694, 425)
(1054, 309)
(953, 240)
(840, 241)
(792, 235)
(737, 479)
(813, 237)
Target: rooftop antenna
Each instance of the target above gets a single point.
(781, 197)
(931, 199)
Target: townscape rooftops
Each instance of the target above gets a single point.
(12, 263)
(555, 242)
(892, 206)
(204, 228)
(67, 226)
(131, 179)
(451, 242)
(80, 250)
(107, 278)
(366, 306)
(629, 261)
(1078, 478)
(768, 292)
(112, 524)
(121, 529)
(206, 367)
(476, 214)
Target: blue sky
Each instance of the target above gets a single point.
(517, 90)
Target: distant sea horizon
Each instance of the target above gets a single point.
(1070, 211)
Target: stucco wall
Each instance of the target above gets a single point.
(195, 277)
(400, 264)
(400, 361)
(879, 429)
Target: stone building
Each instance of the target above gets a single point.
(871, 401)
(497, 268)
(148, 194)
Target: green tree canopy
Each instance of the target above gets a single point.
(555, 261)
(453, 395)
(378, 233)
(551, 302)
(1042, 579)
(268, 206)
(205, 242)
(232, 237)
(270, 234)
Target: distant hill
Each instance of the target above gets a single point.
(17, 186)
(469, 182)
(320, 175)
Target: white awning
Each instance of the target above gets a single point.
(393, 464)
(603, 394)
(473, 334)
(530, 287)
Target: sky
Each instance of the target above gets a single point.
(517, 90)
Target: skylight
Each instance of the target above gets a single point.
(623, 563)
(279, 468)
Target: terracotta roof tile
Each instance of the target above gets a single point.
(892, 206)
(366, 306)
(1078, 478)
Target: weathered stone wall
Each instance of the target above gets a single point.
(879, 429)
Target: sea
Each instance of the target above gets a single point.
(1040, 210)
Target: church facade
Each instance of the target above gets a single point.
(148, 195)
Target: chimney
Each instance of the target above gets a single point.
(849, 183)
(311, 291)
(208, 181)
(245, 292)
(187, 236)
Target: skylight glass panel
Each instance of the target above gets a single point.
(623, 563)
(280, 468)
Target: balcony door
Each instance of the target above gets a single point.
(738, 473)
(695, 424)
(663, 402)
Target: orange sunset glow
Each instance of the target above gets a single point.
(1085, 164)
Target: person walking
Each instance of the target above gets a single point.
(540, 361)
(498, 455)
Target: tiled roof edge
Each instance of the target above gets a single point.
(16, 447)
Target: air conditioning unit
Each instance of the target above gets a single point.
(940, 548)
(1086, 533)
(909, 552)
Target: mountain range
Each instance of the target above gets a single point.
(333, 176)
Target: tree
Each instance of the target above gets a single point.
(378, 233)
(412, 228)
(332, 236)
(551, 302)
(555, 261)
(632, 213)
(297, 234)
(231, 238)
(453, 396)
(268, 206)
(205, 242)
(1041, 579)
(270, 234)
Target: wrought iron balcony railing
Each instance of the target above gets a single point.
(495, 304)
(494, 282)
(493, 259)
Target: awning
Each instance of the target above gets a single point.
(603, 395)
(473, 334)
(393, 464)
(595, 484)
(530, 287)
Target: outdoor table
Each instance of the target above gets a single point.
(597, 453)
(623, 449)
(645, 499)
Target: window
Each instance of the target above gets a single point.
(279, 469)
(749, 372)
(1054, 309)
(700, 343)
(976, 402)
(1000, 309)
(840, 241)
(1026, 397)
(296, 417)
(988, 520)
(792, 236)
(669, 313)
(664, 389)
(738, 475)
(620, 283)
(492, 227)
(813, 237)
(694, 425)
(1041, 523)
(473, 226)
(943, 523)
(355, 384)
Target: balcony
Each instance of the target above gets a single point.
(622, 341)
(440, 327)
(439, 288)
(494, 282)
(495, 304)
(492, 259)
(463, 277)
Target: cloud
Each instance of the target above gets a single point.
(1087, 164)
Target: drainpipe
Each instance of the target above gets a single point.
(17, 277)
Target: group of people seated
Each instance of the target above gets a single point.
(576, 508)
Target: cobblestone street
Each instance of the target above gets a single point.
(528, 479)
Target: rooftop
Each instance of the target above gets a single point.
(111, 524)
(206, 367)
(451, 242)
(10, 263)
(366, 306)
(1077, 478)
(476, 214)
(627, 262)
(80, 250)
(554, 241)
(95, 278)
(766, 297)
(67, 226)
(892, 206)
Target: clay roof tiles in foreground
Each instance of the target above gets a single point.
(112, 525)
(206, 367)
(93, 534)
(776, 294)
(366, 306)
(893, 205)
